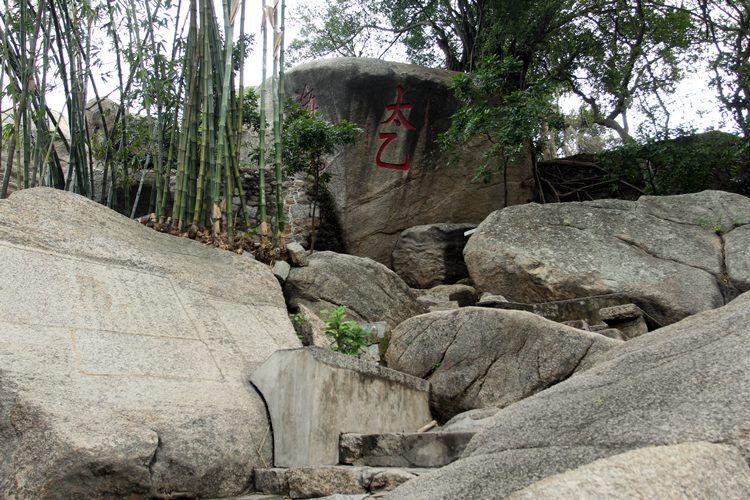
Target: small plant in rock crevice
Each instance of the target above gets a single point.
(349, 338)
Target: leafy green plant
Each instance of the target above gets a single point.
(349, 337)
(298, 322)
(685, 163)
(308, 141)
(494, 110)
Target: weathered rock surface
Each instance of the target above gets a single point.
(332, 482)
(431, 255)
(395, 176)
(297, 254)
(662, 252)
(370, 291)
(314, 395)
(100, 116)
(688, 470)
(464, 295)
(628, 318)
(124, 355)
(412, 449)
(686, 382)
(471, 421)
(311, 329)
(478, 357)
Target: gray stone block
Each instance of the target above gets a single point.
(281, 270)
(297, 254)
(273, 481)
(314, 395)
(313, 482)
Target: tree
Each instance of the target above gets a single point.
(512, 120)
(623, 54)
(307, 142)
(612, 54)
(432, 32)
(726, 26)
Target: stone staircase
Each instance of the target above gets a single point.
(342, 426)
(370, 465)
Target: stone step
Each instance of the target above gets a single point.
(323, 481)
(313, 395)
(426, 449)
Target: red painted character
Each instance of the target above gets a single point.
(308, 100)
(398, 119)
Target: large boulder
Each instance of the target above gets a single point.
(478, 357)
(673, 255)
(431, 255)
(125, 355)
(687, 470)
(396, 175)
(687, 382)
(100, 116)
(370, 291)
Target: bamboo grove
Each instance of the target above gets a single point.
(176, 69)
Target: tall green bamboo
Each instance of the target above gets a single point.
(279, 121)
(222, 152)
(241, 92)
(262, 128)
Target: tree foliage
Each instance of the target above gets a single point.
(686, 163)
(613, 54)
(510, 119)
(726, 25)
(308, 142)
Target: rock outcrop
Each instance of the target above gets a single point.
(431, 255)
(396, 176)
(687, 470)
(124, 356)
(477, 357)
(674, 256)
(687, 382)
(370, 291)
(100, 116)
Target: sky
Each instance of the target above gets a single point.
(694, 104)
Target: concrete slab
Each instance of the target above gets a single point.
(314, 395)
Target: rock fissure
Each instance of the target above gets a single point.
(153, 459)
(728, 290)
(645, 250)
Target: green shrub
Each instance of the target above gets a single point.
(684, 164)
(349, 337)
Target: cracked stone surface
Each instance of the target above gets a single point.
(370, 291)
(687, 382)
(124, 356)
(673, 255)
(477, 357)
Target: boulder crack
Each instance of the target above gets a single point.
(650, 253)
(152, 460)
(728, 291)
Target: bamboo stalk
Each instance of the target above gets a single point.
(262, 128)
(278, 128)
(222, 147)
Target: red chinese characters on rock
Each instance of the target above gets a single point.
(398, 120)
(308, 100)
